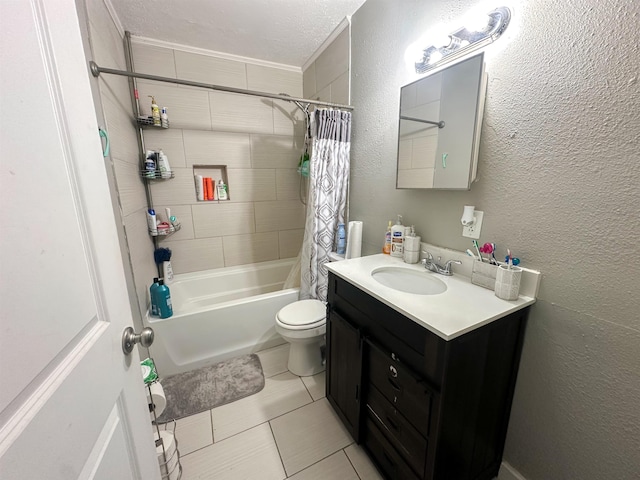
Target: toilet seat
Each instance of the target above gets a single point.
(302, 315)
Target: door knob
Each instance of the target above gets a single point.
(130, 338)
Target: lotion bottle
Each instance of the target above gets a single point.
(397, 238)
(164, 118)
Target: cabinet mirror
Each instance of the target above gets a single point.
(440, 121)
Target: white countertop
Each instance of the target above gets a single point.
(461, 308)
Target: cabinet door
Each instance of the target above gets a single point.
(344, 368)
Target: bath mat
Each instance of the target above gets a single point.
(208, 387)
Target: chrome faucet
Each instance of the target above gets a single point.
(433, 266)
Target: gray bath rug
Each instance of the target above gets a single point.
(208, 387)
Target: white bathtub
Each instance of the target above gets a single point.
(219, 314)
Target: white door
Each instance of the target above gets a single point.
(72, 405)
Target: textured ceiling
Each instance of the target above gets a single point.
(281, 31)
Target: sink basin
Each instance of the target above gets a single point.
(409, 281)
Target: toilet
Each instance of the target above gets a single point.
(303, 324)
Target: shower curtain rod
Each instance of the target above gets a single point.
(97, 70)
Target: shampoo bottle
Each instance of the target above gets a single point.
(397, 238)
(151, 222)
(164, 118)
(386, 248)
(163, 166)
(222, 191)
(155, 113)
(153, 293)
(163, 296)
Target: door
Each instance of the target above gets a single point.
(72, 405)
(344, 368)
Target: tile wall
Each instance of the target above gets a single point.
(327, 77)
(256, 140)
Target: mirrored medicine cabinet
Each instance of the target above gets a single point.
(440, 122)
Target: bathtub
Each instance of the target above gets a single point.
(219, 314)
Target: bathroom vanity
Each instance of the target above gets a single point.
(426, 393)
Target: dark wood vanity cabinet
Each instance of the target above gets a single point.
(424, 408)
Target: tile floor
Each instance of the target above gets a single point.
(286, 431)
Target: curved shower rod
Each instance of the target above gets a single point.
(96, 70)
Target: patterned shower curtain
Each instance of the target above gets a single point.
(328, 182)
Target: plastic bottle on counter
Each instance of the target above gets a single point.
(386, 248)
(397, 238)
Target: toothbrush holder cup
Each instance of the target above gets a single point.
(508, 282)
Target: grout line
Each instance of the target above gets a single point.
(286, 475)
(213, 437)
(349, 459)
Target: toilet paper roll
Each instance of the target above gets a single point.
(169, 460)
(157, 399)
(354, 240)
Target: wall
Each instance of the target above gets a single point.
(257, 141)
(559, 170)
(326, 73)
(102, 40)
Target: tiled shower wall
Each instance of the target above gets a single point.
(258, 140)
(327, 77)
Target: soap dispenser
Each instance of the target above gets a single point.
(411, 248)
(397, 238)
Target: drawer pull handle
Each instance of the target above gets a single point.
(394, 372)
(394, 385)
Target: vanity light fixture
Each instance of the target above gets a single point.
(464, 40)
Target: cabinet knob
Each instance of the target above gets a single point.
(394, 372)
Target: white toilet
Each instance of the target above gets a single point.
(303, 325)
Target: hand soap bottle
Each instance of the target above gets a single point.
(397, 238)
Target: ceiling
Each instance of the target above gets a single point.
(280, 31)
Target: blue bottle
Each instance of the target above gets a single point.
(153, 293)
(163, 299)
(342, 243)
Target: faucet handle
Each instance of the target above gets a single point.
(447, 266)
(428, 254)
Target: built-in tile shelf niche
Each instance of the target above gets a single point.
(215, 173)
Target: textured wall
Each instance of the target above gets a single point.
(558, 180)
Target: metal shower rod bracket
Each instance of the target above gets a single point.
(96, 70)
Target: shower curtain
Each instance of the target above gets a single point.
(328, 182)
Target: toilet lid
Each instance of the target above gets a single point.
(302, 312)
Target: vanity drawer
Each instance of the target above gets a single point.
(385, 456)
(400, 386)
(398, 430)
